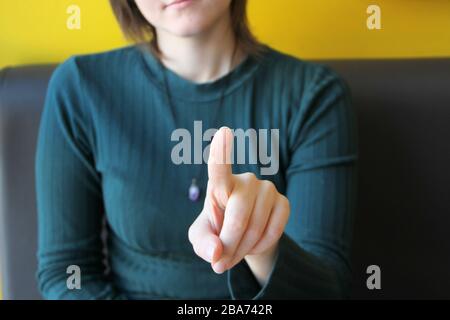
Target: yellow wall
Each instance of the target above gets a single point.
(33, 31)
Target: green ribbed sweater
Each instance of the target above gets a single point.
(104, 159)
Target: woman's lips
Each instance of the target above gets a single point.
(179, 4)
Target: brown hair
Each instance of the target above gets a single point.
(138, 29)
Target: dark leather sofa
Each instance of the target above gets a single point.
(403, 218)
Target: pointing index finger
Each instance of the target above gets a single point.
(219, 162)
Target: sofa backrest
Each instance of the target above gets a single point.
(403, 218)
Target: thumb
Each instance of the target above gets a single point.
(204, 239)
(219, 162)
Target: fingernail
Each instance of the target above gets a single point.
(211, 250)
(219, 267)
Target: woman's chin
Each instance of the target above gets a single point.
(188, 31)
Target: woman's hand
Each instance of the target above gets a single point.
(242, 217)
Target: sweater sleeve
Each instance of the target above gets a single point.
(314, 252)
(69, 196)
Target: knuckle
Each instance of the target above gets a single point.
(274, 233)
(236, 224)
(211, 188)
(191, 234)
(214, 190)
(268, 186)
(285, 202)
(193, 230)
(249, 177)
(254, 233)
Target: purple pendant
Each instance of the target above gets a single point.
(194, 192)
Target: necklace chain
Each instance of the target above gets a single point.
(194, 190)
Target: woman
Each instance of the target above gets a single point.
(176, 229)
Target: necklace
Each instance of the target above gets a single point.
(194, 190)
